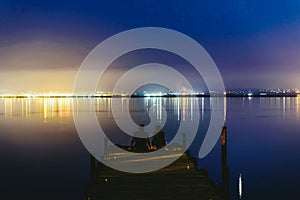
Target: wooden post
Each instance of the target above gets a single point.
(225, 169)
(183, 141)
(105, 148)
(93, 168)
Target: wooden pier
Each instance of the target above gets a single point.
(180, 180)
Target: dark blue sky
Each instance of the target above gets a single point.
(254, 43)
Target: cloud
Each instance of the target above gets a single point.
(39, 66)
(46, 80)
(40, 55)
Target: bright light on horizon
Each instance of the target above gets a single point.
(29, 95)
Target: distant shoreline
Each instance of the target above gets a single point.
(144, 96)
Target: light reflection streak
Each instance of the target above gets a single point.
(202, 108)
(61, 108)
(225, 108)
(10, 108)
(184, 108)
(160, 109)
(22, 102)
(283, 107)
(178, 108)
(191, 107)
(5, 111)
(46, 107)
(288, 105)
(298, 106)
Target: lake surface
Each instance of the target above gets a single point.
(42, 156)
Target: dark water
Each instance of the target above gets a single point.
(42, 156)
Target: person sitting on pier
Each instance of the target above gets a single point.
(140, 142)
(158, 139)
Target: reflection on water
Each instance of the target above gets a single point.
(61, 108)
(39, 143)
(49, 108)
(298, 106)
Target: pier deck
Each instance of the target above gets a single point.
(180, 180)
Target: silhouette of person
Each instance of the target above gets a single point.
(158, 139)
(140, 142)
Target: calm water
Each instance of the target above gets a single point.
(42, 156)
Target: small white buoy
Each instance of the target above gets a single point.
(240, 186)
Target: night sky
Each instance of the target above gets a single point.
(254, 43)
